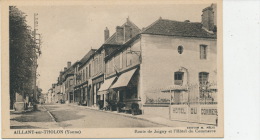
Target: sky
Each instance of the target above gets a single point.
(69, 32)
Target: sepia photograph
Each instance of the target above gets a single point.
(94, 69)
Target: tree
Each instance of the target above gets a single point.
(22, 55)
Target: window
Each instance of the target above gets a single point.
(203, 51)
(178, 78)
(83, 75)
(121, 60)
(113, 65)
(89, 70)
(96, 66)
(203, 78)
(71, 82)
(103, 61)
(107, 67)
(180, 49)
(117, 61)
(86, 72)
(100, 63)
(128, 57)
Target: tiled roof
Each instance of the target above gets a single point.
(111, 40)
(87, 56)
(135, 31)
(111, 48)
(177, 28)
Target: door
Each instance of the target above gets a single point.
(71, 97)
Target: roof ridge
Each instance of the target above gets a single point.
(132, 24)
(178, 21)
(176, 28)
(87, 54)
(149, 26)
(122, 26)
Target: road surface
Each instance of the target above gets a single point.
(70, 116)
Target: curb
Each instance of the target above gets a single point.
(120, 114)
(52, 117)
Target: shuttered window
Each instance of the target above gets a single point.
(203, 51)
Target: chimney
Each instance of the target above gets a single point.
(128, 32)
(207, 18)
(106, 34)
(119, 34)
(65, 69)
(68, 64)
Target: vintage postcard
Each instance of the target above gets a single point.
(112, 69)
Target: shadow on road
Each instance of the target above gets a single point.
(63, 115)
(35, 116)
(25, 127)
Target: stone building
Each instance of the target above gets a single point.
(168, 62)
(82, 72)
(167, 56)
(112, 44)
(67, 86)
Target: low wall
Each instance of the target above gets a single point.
(194, 113)
(162, 111)
(179, 112)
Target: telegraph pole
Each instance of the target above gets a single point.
(36, 53)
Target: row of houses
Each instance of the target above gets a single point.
(168, 62)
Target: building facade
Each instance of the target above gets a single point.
(167, 63)
(83, 73)
(168, 56)
(109, 66)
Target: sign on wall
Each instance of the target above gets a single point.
(207, 114)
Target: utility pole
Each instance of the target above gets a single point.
(36, 53)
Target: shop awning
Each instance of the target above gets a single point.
(124, 79)
(105, 86)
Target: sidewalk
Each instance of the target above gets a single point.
(151, 118)
(32, 119)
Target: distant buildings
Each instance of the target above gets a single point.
(138, 69)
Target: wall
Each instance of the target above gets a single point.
(124, 60)
(207, 114)
(157, 111)
(98, 64)
(69, 87)
(160, 59)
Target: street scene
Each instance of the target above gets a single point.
(71, 116)
(92, 67)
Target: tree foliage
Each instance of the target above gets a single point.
(22, 54)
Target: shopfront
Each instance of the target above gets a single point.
(126, 87)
